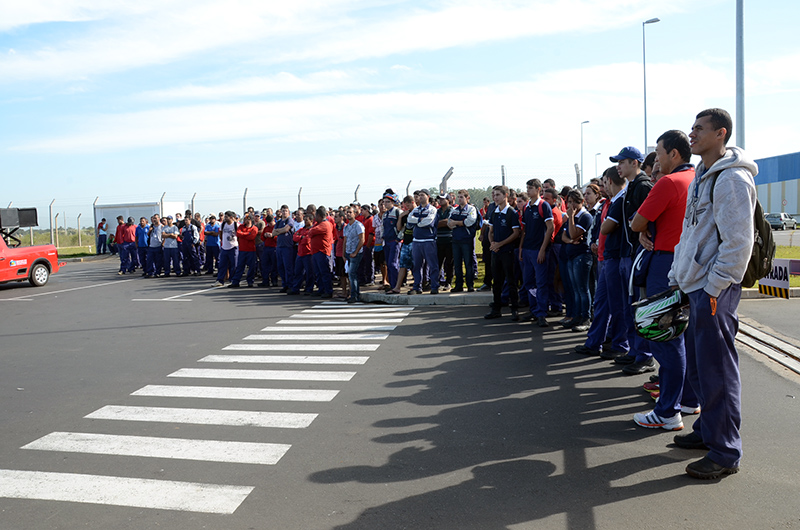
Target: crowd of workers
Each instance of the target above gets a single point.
(650, 224)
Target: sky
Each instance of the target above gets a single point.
(124, 101)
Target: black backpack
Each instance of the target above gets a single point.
(763, 253)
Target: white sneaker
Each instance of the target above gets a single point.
(690, 410)
(217, 284)
(651, 420)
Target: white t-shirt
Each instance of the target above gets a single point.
(228, 238)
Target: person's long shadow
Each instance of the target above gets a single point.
(496, 406)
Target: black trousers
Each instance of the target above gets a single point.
(502, 271)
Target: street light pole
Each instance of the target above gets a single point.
(644, 73)
(580, 177)
(740, 73)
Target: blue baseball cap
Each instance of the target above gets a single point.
(628, 152)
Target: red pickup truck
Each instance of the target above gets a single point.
(34, 264)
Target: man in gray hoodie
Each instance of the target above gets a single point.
(709, 264)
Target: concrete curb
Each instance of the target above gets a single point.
(85, 259)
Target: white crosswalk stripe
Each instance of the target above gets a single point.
(274, 375)
(349, 311)
(352, 317)
(365, 308)
(301, 347)
(151, 447)
(122, 491)
(239, 418)
(324, 321)
(321, 337)
(284, 359)
(252, 394)
(315, 327)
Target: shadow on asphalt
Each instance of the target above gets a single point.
(508, 402)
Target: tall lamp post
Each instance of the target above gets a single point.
(581, 176)
(596, 174)
(644, 72)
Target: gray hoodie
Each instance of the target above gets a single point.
(717, 238)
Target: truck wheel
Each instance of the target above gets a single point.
(39, 275)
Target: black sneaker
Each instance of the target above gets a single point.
(470, 289)
(527, 317)
(554, 313)
(457, 290)
(569, 322)
(625, 359)
(434, 291)
(542, 323)
(640, 368)
(610, 355)
(514, 315)
(485, 287)
(690, 441)
(586, 351)
(707, 469)
(492, 314)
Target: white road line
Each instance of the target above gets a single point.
(253, 394)
(29, 296)
(301, 347)
(272, 375)
(160, 300)
(353, 317)
(283, 359)
(122, 491)
(151, 447)
(322, 337)
(343, 321)
(355, 311)
(193, 292)
(315, 327)
(364, 308)
(238, 418)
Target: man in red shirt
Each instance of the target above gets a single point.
(126, 242)
(302, 265)
(246, 233)
(659, 222)
(269, 261)
(550, 195)
(321, 235)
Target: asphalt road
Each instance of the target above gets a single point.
(451, 422)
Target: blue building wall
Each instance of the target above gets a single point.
(777, 183)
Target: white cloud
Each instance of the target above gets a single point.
(136, 34)
(281, 83)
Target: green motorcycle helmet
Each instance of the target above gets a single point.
(662, 317)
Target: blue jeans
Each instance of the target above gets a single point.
(101, 244)
(352, 275)
(126, 253)
(302, 271)
(579, 268)
(227, 263)
(462, 255)
(534, 274)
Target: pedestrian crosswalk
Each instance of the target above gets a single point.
(297, 333)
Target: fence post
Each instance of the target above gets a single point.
(408, 187)
(56, 219)
(503, 175)
(356, 193)
(94, 216)
(79, 229)
(299, 193)
(443, 185)
(244, 202)
(52, 240)
(193, 196)
(162, 203)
